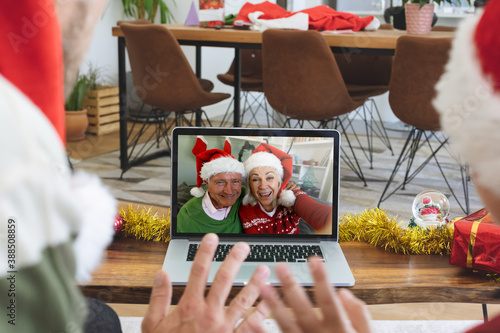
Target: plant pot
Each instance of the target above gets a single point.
(76, 124)
(419, 20)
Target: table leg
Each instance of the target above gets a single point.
(198, 74)
(485, 313)
(237, 86)
(122, 86)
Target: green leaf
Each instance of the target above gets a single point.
(75, 99)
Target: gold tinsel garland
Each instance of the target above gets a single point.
(145, 224)
(374, 226)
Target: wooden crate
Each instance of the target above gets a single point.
(103, 110)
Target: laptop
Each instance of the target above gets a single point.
(316, 157)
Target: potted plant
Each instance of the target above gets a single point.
(102, 103)
(147, 10)
(419, 14)
(76, 115)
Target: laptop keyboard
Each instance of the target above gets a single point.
(265, 253)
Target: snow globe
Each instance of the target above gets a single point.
(430, 208)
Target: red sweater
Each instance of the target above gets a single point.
(490, 327)
(285, 219)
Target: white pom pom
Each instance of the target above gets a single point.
(287, 198)
(98, 211)
(197, 192)
(373, 25)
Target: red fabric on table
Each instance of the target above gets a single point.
(486, 248)
(320, 17)
(488, 327)
(327, 18)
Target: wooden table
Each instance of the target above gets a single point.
(382, 42)
(381, 277)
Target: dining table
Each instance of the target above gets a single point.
(378, 42)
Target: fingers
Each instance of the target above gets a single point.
(248, 295)
(159, 302)
(327, 300)
(356, 310)
(280, 312)
(201, 265)
(253, 322)
(223, 281)
(297, 299)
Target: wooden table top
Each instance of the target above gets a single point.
(379, 39)
(127, 274)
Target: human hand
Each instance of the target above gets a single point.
(292, 186)
(197, 313)
(337, 308)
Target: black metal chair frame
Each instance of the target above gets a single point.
(415, 140)
(250, 99)
(372, 127)
(333, 123)
(138, 152)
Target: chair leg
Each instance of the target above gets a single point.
(373, 127)
(396, 169)
(353, 163)
(415, 141)
(140, 147)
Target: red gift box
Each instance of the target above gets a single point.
(476, 243)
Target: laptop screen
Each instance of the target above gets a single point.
(255, 205)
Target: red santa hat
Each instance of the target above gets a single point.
(211, 162)
(266, 155)
(468, 95)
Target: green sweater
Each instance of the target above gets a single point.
(192, 218)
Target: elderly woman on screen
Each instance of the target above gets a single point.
(272, 205)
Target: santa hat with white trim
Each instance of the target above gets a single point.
(266, 155)
(211, 162)
(468, 95)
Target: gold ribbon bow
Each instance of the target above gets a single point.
(472, 242)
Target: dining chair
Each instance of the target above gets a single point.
(418, 64)
(303, 83)
(367, 76)
(165, 80)
(137, 108)
(251, 88)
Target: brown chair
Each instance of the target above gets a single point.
(418, 64)
(251, 87)
(367, 76)
(302, 82)
(136, 108)
(165, 80)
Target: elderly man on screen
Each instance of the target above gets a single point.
(217, 209)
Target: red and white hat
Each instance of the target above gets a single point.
(468, 95)
(211, 162)
(266, 155)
